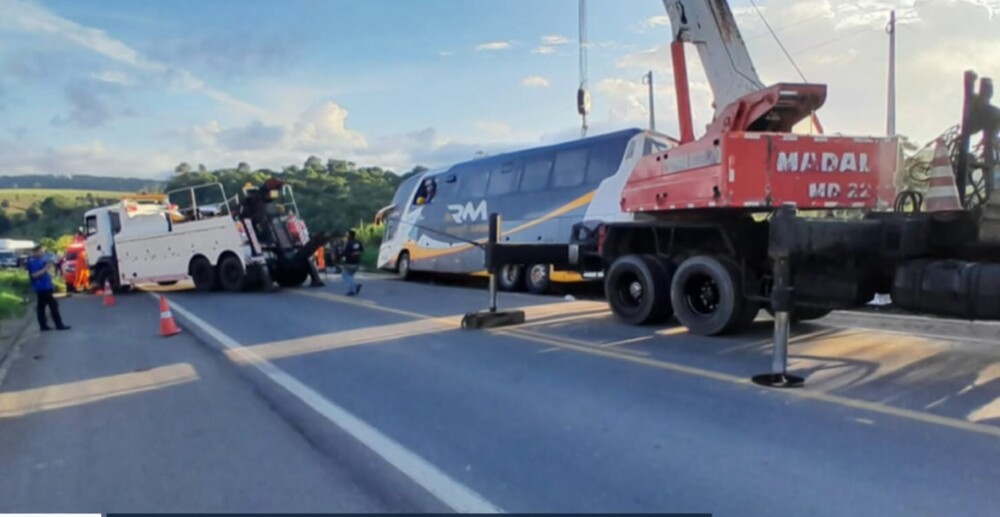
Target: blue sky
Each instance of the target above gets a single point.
(134, 87)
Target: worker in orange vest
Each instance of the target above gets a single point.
(82, 280)
(321, 258)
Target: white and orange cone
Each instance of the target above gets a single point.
(942, 195)
(167, 325)
(109, 297)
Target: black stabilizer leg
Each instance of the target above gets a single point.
(492, 317)
(781, 244)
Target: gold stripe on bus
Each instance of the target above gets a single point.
(418, 252)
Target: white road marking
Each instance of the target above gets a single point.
(450, 492)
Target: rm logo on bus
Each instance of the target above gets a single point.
(468, 213)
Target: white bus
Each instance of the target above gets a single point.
(541, 193)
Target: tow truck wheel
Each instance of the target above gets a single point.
(637, 288)
(510, 277)
(202, 274)
(232, 277)
(707, 297)
(403, 266)
(537, 280)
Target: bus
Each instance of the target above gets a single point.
(437, 217)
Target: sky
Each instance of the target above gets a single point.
(132, 88)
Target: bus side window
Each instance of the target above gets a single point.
(472, 183)
(604, 161)
(426, 192)
(570, 169)
(536, 174)
(503, 180)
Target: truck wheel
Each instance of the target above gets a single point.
(231, 274)
(167, 283)
(202, 274)
(707, 296)
(510, 277)
(537, 280)
(403, 266)
(293, 277)
(637, 288)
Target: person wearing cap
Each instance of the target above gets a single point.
(41, 281)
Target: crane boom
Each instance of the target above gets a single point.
(709, 25)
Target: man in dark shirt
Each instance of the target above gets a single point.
(41, 281)
(352, 258)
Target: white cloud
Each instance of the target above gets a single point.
(653, 22)
(494, 129)
(493, 45)
(535, 81)
(555, 39)
(30, 17)
(112, 76)
(16, 157)
(543, 50)
(840, 43)
(446, 53)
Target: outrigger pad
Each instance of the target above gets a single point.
(487, 319)
(778, 380)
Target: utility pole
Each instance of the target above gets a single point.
(648, 80)
(890, 123)
(583, 94)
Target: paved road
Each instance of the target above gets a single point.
(109, 417)
(574, 412)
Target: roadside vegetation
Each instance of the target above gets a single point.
(14, 288)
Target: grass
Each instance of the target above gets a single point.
(20, 199)
(370, 236)
(14, 286)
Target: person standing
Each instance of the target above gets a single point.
(41, 282)
(352, 259)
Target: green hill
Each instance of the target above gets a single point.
(37, 213)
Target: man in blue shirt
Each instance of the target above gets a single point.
(38, 270)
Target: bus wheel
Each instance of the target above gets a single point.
(537, 280)
(202, 273)
(707, 297)
(638, 289)
(509, 278)
(231, 274)
(403, 266)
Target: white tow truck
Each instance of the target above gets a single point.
(198, 233)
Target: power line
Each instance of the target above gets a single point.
(778, 40)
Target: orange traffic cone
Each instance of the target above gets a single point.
(167, 325)
(109, 297)
(942, 195)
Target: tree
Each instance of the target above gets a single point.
(90, 199)
(33, 213)
(202, 169)
(313, 163)
(5, 223)
(182, 168)
(244, 168)
(5, 204)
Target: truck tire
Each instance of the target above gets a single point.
(707, 297)
(403, 266)
(637, 287)
(167, 283)
(231, 274)
(511, 278)
(202, 273)
(291, 277)
(537, 278)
